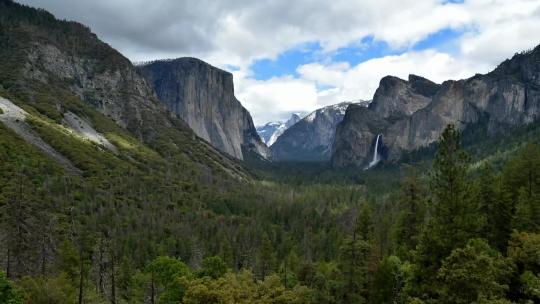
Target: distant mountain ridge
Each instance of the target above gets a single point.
(271, 131)
(311, 138)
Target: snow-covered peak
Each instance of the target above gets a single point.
(270, 132)
(335, 109)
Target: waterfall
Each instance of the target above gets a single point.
(376, 157)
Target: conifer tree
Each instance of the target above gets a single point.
(453, 211)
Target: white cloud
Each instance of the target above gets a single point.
(275, 98)
(501, 28)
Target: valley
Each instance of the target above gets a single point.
(150, 183)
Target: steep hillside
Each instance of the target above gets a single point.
(412, 114)
(203, 97)
(56, 69)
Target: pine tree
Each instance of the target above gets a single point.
(411, 215)
(267, 259)
(453, 212)
(495, 207)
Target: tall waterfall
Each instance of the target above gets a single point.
(376, 158)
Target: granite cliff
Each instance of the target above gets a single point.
(412, 114)
(203, 97)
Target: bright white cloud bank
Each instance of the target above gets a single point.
(238, 32)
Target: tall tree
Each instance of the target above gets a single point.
(495, 207)
(453, 212)
(411, 215)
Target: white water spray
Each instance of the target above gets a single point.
(376, 158)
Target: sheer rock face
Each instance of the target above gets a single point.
(311, 138)
(119, 92)
(203, 97)
(412, 114)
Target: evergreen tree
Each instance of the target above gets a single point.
(267, 259)
(475, 272)
(411, 215)
(454, 215)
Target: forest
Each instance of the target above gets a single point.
(462, 231)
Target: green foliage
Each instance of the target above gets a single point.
(241, 288)
(389, 281)
(472, 273)
(455, 217)
(213, 267)
(353, 267)
(165, 273)
(44, 290)
(9, 294)
(412, 209)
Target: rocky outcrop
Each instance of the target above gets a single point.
(311, 138)
(113, 86)
(203, 96)
(412, 114)
(271, 131)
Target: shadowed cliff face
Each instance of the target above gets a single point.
(203, 97)
(412, 114)
(311, 138)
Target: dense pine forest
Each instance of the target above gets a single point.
(460, 232)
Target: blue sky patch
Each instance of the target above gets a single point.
(365, 49)
(286, 63)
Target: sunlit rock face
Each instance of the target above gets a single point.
(203, 96)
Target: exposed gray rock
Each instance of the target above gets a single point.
(203, 96)
(14, 118)
(82, 128)
(118, 92)
(412, 114)
(311, 138)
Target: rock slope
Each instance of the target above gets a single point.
(412, 114)
(203, 97)
(14, 118)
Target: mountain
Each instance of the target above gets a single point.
(411, 114)
(270, 132)
(67, 86)
(203, 97)
(311, 138)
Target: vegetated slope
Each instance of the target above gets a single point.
(56, 67)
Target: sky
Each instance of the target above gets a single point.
(296, 56)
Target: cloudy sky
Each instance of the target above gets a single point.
(296, 56)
